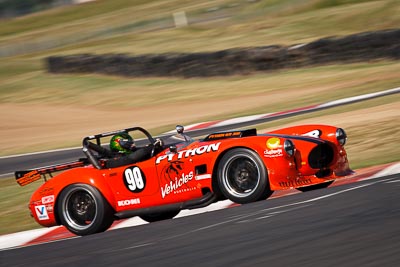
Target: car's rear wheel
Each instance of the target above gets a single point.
(154, 217)
(314, 187)
(83, 210)
(242, 176)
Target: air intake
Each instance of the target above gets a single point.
(320, 156)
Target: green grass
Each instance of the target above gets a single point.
(33, 85)
(14, 216)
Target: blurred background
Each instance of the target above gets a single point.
(12, 8)
(50, 110)
(40, 110)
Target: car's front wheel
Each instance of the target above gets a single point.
(242, 176)
(83, 210)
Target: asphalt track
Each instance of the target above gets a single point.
(348, 225)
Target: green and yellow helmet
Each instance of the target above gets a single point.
(115, 143)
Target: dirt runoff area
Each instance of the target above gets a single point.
(30, 128)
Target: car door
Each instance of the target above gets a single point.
(176, 172)
(134, 185)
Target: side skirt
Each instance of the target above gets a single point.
(203, 201)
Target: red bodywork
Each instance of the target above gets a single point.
(189, 172)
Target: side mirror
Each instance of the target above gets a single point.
(173, 149)
(179, 129)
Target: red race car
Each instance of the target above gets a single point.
(177, 173)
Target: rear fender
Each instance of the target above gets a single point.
(53, 187)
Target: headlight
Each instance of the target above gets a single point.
(341, 136)
(289, 147)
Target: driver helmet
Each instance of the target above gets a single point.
(115, 143)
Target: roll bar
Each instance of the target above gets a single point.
(89, 147)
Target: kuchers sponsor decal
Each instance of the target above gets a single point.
(134, 179)
(176, 184)
(41, 212)
(128, 202)
(189, 153)
(274, 148)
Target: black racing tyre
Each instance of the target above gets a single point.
(314, 187)
(83, 210)
(242, 176)
(159, 216)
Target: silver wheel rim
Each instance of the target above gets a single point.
(241, 175)
(79, 208)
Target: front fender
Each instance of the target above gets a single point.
(279, 166)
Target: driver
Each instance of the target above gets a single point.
(127, 152)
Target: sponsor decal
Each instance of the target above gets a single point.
(224, 135)
(273, 143)
(314, 133)
(176, 185)
(273, 153)
(274, 148)
(134, 179)
(49, 208)
(184, 190)
(41, 212)
(48, 199)
(128, 202)
(189, 153)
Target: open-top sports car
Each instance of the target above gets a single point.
(182, 173)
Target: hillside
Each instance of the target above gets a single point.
(147, 26)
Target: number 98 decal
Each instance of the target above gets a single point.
(134, 179)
